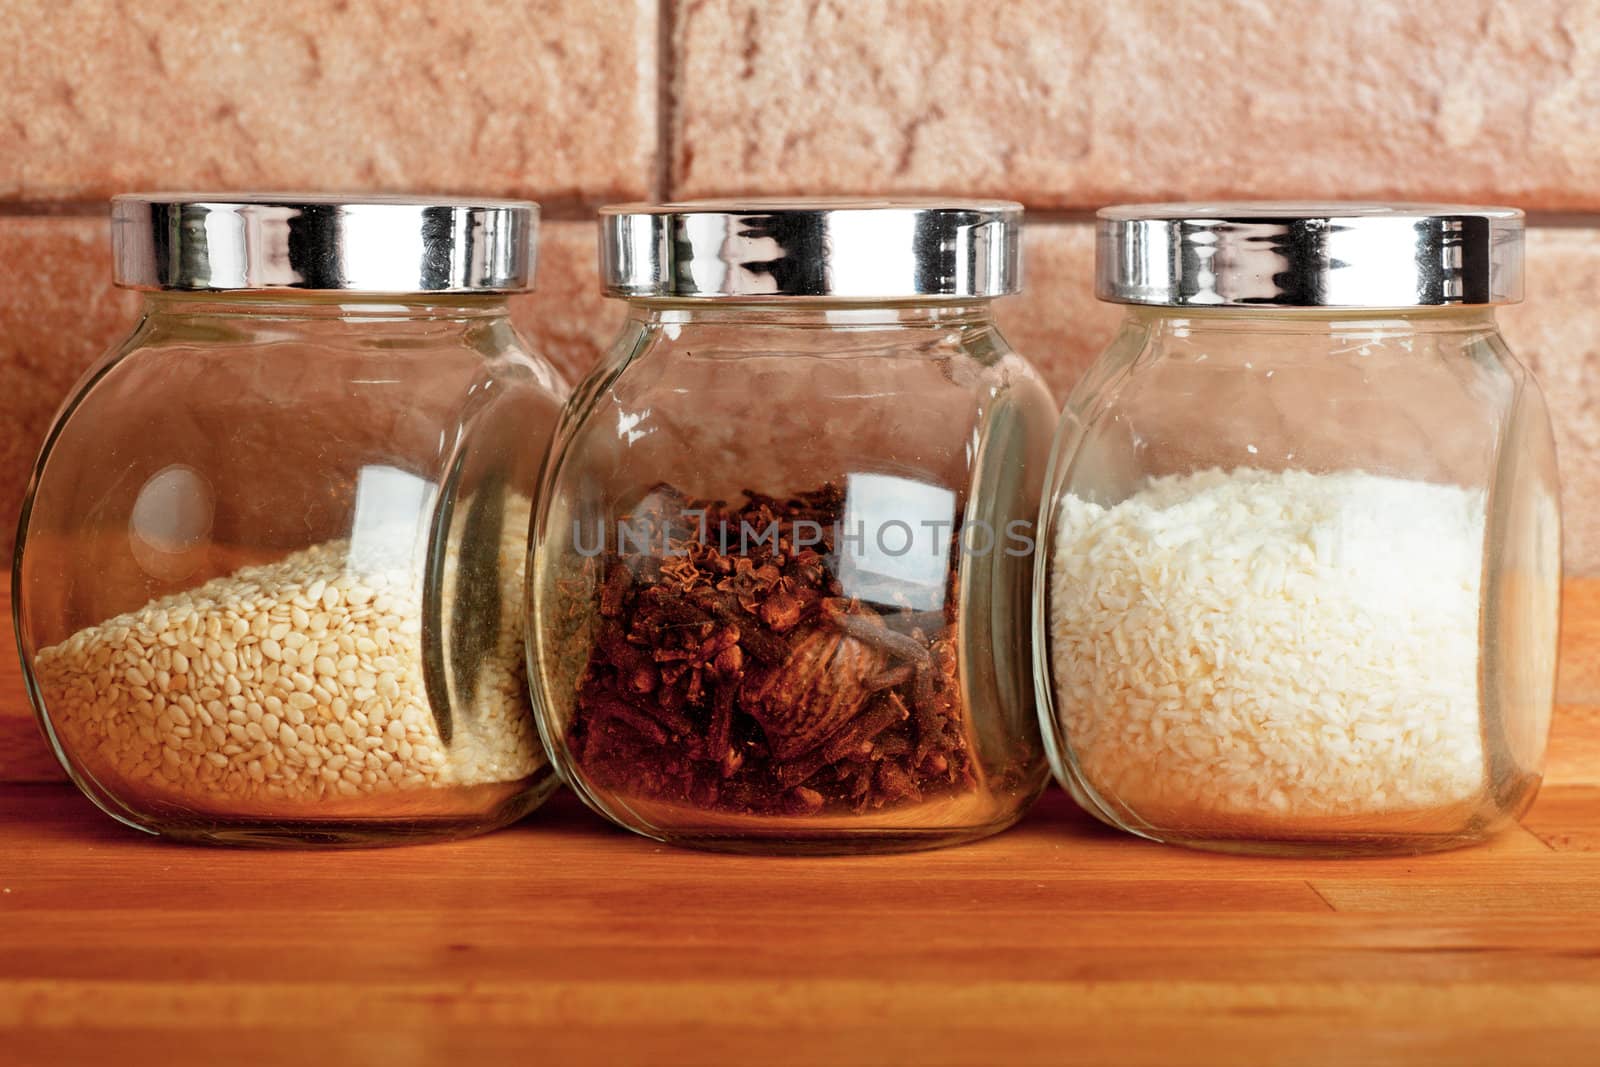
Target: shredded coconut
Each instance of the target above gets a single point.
(1271, 645)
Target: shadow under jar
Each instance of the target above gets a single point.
(270, 568)
(782, 569)
(1301, 581)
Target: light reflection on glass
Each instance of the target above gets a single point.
(391, 512)
(893, 546)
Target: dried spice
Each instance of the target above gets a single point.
(740, 678)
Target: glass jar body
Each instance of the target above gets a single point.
(781, 572)
(269, 576)
(1301, 582)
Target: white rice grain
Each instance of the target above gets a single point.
(1266, 644)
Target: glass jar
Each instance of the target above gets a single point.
(782, 564)
(269, 575)
(1302, 576)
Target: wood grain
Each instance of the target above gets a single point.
(1058, 938)
(1059, 941)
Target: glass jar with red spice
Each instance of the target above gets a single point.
(782, 561)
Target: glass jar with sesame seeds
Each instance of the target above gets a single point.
(1301, 575)
(269, 574)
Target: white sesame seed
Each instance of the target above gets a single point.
(258, 659)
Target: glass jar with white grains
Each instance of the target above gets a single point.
(269, 575)
(1300, 571)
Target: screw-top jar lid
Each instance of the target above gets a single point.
(369, 244)
(868, 250)
(1294, 255)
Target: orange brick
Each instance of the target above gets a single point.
(1075, 103)
(552, 99)
(566, 319)
(60, 314)
(1557, 333)
(1056, 321)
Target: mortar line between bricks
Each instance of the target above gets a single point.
(569, 209)
(666, 74)
(1563, 220)
(560, 211)
(1544, 220)
(77, 209)
(1053, 214)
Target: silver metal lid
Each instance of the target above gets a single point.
(839, 249)
(368, 244)
(1292, 255)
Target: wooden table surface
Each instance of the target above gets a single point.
(563, 938)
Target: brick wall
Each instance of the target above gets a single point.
(1062, 104)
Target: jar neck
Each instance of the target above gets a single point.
(1474, 319)
(328, 306)
(801, 314)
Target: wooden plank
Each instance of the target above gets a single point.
(564, 940)
(1060, 939)
(1576, 892)
(1568, 820)
(970, 1021)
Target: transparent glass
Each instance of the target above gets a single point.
(781, 574)
(269, 574)
(1301, 582)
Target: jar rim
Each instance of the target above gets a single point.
(244, 242)
(830, 248)
(1285, 255)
